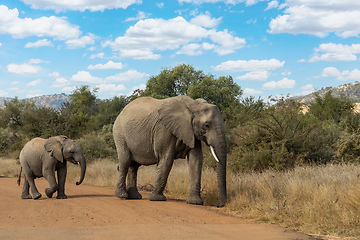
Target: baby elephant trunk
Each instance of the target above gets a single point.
(82, 163)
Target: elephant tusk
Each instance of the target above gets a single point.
(214, 154)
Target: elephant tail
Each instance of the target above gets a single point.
(19, 178)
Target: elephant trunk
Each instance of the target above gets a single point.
(220, 153)
(82, 163)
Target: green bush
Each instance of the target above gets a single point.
(95, 145)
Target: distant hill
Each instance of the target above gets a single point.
(350, 90)
(53, 101)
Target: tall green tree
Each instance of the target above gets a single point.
(223, 92)
(172, 82)
(77, 115)
(109, 109)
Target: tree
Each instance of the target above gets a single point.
(330, 107)
(109, 109)
(222, 92)
(83, 101)
(77, 115)
(172, 82)
(12, 114)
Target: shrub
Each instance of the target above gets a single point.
(95, 146)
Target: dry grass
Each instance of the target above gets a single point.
(323, 200)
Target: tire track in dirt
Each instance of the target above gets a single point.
(95, 213)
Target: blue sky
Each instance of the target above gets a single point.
(269, 47)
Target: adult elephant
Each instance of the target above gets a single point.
(42, 157)
(150, 131)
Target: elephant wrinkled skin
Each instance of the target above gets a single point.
(42, 157)
(150, 131)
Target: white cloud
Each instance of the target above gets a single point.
(97, 55)
(60, 83)
(39, 43)
(233, 2)
(141, 40)
(330, 72)
(227, 43)
(195, 49)
(56, 27)
(346, 75)
(128, 76)
(3, 93)
(80, 5)
(85, 77)
(262, 75)
(319, 18)
(140, 15)
(81, 42)
(251, 91)
(307, 89)
(160, 5)
(335, 52)
(33, 83)
(35, 61)
(251, 65)
(110, 88)
(54, 74)
(138, 54)
(205, 20)
(285, 83)
(108, 65)
(272, 5)
(25, 68)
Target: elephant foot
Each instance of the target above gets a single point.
(133, 194)
(157, 197)
(195, 199)
(36, 196)
(61, 196)
(48, 193)
(121, 193)
(26, 196)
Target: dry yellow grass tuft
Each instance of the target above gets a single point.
(317, 200)
(322, 200)
(9, 167)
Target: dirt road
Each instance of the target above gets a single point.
(95, 213)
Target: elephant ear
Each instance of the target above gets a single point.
(177, 118)
(54, 147)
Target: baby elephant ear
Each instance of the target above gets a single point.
(54, 147)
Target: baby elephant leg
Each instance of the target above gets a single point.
(25, 191)
(53, 184)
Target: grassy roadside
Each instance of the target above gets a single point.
(320, 200)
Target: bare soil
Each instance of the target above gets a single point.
(95, 213)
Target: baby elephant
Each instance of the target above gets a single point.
(42, 157)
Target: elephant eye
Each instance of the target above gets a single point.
(206, 126)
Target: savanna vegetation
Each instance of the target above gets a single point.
(285, 165)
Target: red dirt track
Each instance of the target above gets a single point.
(95, 213)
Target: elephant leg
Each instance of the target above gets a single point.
(195, 159)
(30, 179)
(50, 177)
(25, 191)
(163, 170)
(133, 193)
(124, 164)
(61, 173)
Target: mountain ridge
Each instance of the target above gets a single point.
(51, 100)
